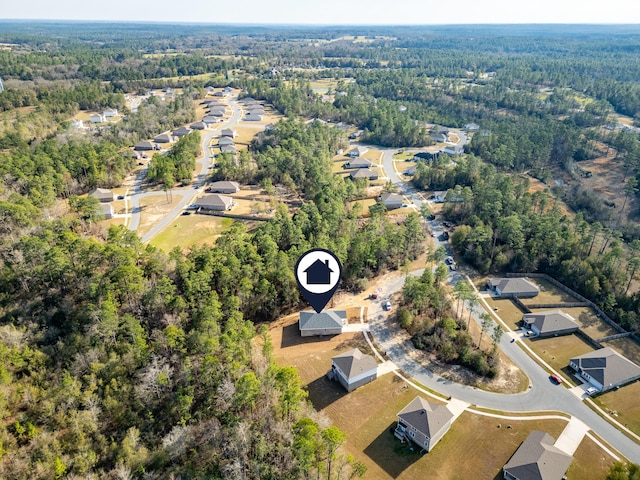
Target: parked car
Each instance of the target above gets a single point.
(373, 295)
(186, 212)
(591, 390)
(449, 260)
(386, 305)
(120, 197)
(555, 379)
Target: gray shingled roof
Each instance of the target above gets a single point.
(391, 198)
(550, 321)
(359, 163)
(224, 185)
(537, 459)
(514, 285)
(325, 319)
(354, 363)
(214, 200)
(607, 367)
(101, 193)
(428, 418)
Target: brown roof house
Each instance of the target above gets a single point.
(537, 459)
(550, 322)
(513, 287)
(605, 369)
(363, 173)
(215, 202)
(423, 423)
(102, 194)
(354, 369)
(327, 322)
(224, 187)
(391, 200)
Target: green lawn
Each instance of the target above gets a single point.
(187, 231)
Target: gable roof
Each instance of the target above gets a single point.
(163, 137)
(101, 193)
(360, 163)
(363, 173)
(228, 149)
(538, 459)
(225, 141)
(228, 132)
(514, 285)
(550, 321)
(354, 363)
(324, 319)
(225, 185)
(606, 366)
(182, 131)
(360, 150)
(210, 119)
(198, 126)
(214, 200)
(427, 418)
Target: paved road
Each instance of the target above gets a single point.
(188, 193)
(542, 394)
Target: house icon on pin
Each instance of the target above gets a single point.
(319, 273)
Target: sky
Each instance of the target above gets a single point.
(333, 12)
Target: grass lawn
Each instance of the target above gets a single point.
(364, 205)
(337, 166)
(404, 156)
(557, 351)
(191, 230)
(155, 208)
(507, 311)
(590, 323)
(374, 155)
(624, 403)
(549, 293)
(590, 462)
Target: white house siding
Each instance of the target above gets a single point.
(436, 438)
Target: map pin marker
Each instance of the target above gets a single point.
(318, 273)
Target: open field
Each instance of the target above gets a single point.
(404, 156)
(155, 208)
(549, 293)
(507, 311)
(557, 351)
(590, 462)
(623, 404)
(323, 85)
(627, 347)
(191, 230)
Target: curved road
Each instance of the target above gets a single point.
(542, 394)
(189, 193)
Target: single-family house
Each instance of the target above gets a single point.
(146, 146)
(550, 323)
(255, 111)
(253, 118)
(358, 163)
(354, 369)
(163, 138)
(181, 132)
(213, 102)
(425, 156)
(391, 200)
(222, 141)
(423, 423)
(227, 89)
(363, 173)
(327, 322)
(216, 112)
(605, 369)
(210, 90)
(228, 132)
(96, 118)
(209, 120)
(472, 127)
(132, 154)
(224, 187)
(271, 126)
(110, 113)
(358, 151)
(513, 287)
(219, 93)
(537, 458)
(228, 149)
(198, 126)
(102, 194)
(453, 149)
(106, 210)
(215, 202)
(440, 137)
(247, 100)
(77, 123)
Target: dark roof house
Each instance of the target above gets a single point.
(198, 126)
(182, 131)
(423, 423)
(354, 369)
(366, 173)
(327, 322)
(537, 459)
(551, 322)
(605, 368)
(513, 287)
(228, 132)
(163, 138)
(145, 146)
(225, 141)
(391, 200)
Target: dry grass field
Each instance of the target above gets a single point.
(507, 311)
(623, 404)
(590, 462)
(589, 322)
(549, 293)
(557, 351)
(191, 230)
(627, 347)
(155, 208)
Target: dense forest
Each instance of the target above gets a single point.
(122, 361)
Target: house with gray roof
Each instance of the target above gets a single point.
(224, 187)
(440, 137)
(410, 171)
(550, 323)
(209, 119)
(513, 287)
(392, 200)
(222, 141)
(327, 322)
(215, 202)
(605, 369)
(216, 112)
(423, 423)
(182, 131)
(354, 369)
(198, 126)
(453, 149)
(358, 151)
(472, 127)
(253, 118)
(106, 210)
(228, 149)
(142, 146)
(163, 138)
(537, 459)
(256, 111)
(228, 132)
(358, 163)
(102, 194)
(366, 173)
